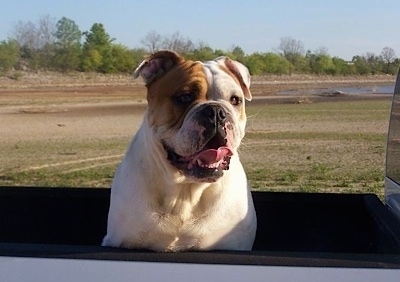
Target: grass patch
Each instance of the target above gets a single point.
(100, 176)
(315, 136)
(321, 147)
(343, 111)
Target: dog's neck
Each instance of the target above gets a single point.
(171, 193)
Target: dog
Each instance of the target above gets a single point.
(181, 185)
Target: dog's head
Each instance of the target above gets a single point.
(196, 111)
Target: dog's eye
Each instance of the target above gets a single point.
(235, 100)
(184, 98)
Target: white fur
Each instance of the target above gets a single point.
(154, 206)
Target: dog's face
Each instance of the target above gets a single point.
(196, 111)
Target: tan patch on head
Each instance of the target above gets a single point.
(235, 80)
(241, 108)
(231, 74)
(187, 77)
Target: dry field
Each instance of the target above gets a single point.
(72, 130)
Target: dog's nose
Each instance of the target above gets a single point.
(215, 114)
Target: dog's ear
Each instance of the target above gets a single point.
(156, 65)
(240, 72)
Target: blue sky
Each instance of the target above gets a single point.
(345, 28)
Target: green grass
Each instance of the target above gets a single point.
(320, 147)
(100, 176)
(329, 111)
(64, 163)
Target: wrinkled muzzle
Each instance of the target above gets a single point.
(209, 134)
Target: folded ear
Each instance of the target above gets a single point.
(156, 65)
(240, 72)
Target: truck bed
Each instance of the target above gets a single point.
(294, 229)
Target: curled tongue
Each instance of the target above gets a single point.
(211, 156)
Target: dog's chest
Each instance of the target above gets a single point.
(174, 233)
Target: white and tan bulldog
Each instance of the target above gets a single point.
(181, 185)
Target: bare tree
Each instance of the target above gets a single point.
(291, 48)
(35, 36)
(293, 51)
(201, 45)
(27, 37)
(152, 41)
(372, 62)
(36, 40)
(26, 34)
(370, 57)
(46, 31)
(178, 43)
(388, 56)
(321, 51)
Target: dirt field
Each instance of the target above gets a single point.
(77, 126)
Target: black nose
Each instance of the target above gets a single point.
(214, 114)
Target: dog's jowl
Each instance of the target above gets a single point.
(181, 185)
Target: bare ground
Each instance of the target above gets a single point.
(97, 116)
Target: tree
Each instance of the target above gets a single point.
(97, 50)
(46, 30)
(36, 41)
(255, 64)
(68, 45)
(361, 65)
(275, 64)
(374, 62)
(152, 41)
(46, 27)
(237, 53)
(388, 56)
(321, 51)
(26, 36)
(267, 63)
(178, 43)
(67, 33)
(137, 54)
(320, 62)
(9, 55)
(201, 53)
(291, 49)
(342, 67)
(123, 59)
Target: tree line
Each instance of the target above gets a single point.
(60, 45)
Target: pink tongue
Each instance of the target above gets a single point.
(212, 156)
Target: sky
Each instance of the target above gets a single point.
(345, 27)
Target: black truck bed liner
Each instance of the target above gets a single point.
(294, 229)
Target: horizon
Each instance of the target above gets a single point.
(345, 29)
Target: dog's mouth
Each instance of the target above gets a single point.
(207, 164)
